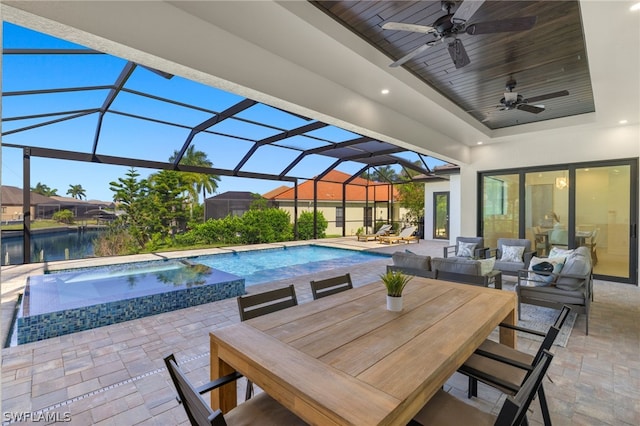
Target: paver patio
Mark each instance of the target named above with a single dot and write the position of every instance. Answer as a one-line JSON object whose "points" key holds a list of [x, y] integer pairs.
{"points": [[115, 375]]}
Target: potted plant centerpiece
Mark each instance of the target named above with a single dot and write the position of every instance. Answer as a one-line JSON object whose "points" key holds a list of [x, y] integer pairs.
{"points": [[395, 281]]}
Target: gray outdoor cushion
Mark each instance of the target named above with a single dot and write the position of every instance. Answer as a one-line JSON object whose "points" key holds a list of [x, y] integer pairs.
{"points": [[508, 266], [559, 296], [457, 265], [410, 260], [576, 264]]}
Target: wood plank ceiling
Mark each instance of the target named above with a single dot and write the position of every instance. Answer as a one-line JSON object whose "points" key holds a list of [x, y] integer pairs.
{"points": [[548, 58]]}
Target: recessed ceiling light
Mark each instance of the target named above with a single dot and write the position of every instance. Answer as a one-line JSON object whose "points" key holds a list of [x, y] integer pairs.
{"points": [[480, 142], [622, 122], [385, 91], [635, 7]]}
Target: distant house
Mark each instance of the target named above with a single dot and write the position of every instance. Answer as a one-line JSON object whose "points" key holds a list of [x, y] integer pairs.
{"points": [[44, 207], [12, 203], [234, 203], [367, 202]]}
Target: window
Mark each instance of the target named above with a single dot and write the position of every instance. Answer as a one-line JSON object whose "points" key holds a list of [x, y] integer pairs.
{"points": [[339, 217], [368, 216]]}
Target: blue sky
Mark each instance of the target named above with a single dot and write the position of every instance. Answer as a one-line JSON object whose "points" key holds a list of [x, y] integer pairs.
{"points": [[124, 136]]}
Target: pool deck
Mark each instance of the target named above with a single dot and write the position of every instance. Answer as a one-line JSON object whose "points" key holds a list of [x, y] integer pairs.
{"points": [[114, 375]]}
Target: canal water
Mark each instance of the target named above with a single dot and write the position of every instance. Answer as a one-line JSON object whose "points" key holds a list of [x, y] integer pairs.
{"points": [[52, 245]]}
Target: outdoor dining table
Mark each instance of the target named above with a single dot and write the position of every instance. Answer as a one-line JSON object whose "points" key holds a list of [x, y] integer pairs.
{"points": [[346, 360]]}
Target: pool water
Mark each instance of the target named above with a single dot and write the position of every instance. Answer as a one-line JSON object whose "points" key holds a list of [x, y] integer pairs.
{"points": [[261, 266]]}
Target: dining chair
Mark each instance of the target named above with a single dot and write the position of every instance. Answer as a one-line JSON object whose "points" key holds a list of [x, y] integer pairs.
{"points": [[444, 409], [262, 409], [329, 286], [506, 368], [255, 305]]}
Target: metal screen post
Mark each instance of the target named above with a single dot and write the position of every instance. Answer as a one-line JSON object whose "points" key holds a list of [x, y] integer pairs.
{"points": [[26, 205]]}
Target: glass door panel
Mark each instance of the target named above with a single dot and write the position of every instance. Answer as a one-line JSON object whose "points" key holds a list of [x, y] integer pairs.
{"points": [[603, 209], [441, 215], [547, 210], [500, 208]]}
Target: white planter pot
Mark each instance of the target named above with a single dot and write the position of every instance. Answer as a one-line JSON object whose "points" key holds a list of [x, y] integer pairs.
{"points": [[394, 303]]}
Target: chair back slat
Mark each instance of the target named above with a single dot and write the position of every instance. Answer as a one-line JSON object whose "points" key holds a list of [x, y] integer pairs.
{"points": [[329, 286], [552, 334], [255, 305], [199, 413], [515, 408]]}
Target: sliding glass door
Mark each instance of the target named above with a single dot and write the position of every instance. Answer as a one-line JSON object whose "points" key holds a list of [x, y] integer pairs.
{"points": [[604, 217], [587, 204]]}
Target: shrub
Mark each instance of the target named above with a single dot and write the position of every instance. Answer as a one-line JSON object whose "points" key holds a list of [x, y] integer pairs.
{"points": [[116, 241], [63, 216], [305, 225]]}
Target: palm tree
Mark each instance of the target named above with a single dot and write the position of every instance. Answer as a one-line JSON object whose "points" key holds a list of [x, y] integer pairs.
{"points": [[43, 189], [207, 183], [200, 181], [381, 174], [76, 191]]}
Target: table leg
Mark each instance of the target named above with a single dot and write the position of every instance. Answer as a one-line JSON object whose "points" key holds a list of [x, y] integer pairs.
{"points": [[224, 397], [507, 335]]}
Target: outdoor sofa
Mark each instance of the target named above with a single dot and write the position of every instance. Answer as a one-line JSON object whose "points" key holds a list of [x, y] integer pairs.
{"points": [[468, 271], [570, 284]]}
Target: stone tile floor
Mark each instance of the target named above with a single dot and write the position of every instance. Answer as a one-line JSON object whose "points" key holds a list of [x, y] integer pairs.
{"points": [[114, 375]]}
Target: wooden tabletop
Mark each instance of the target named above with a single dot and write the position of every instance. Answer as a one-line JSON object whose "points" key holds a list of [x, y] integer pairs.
{"points": [[346, 360]]}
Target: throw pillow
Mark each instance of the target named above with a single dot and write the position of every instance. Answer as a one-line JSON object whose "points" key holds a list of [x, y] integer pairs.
{"points": [[486, 265], [512, 253], [466, 249], [541, 264], [558, 252]]}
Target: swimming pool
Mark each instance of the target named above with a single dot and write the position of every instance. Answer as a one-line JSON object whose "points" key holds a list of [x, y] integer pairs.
{"points": [[72, 300], [261, 266]]}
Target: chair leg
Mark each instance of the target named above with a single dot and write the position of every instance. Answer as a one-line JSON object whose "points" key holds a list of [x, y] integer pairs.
{"points": [[472, 389], [249, 392], [544, 408]]}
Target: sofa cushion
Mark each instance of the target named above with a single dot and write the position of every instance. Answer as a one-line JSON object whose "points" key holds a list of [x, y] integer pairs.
{"points": [[411, 260], [457, 265], [466, 249], [551, 265], [576, 264], [486, 265], [512, 253], [509, 266]]}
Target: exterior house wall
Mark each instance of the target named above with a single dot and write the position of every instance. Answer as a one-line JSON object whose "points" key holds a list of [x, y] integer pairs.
{"points": [[354, 215], [14, 212]]}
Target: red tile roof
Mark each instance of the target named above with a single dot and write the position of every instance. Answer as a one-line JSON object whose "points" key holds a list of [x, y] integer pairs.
{"points": [[331, 189]]}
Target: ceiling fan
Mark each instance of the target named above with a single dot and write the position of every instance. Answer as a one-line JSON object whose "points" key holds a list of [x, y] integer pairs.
{"points": [[513, 100], [447, 28]]}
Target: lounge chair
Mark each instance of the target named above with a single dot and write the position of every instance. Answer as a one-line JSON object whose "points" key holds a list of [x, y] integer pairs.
{"points": [[406, 235], [384, 230]]}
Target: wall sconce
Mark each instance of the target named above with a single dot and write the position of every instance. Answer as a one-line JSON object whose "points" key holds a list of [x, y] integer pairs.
{"points": [[561, 182]]}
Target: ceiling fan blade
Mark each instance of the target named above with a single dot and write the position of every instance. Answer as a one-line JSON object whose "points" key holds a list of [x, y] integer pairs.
{"points": [[408, 56], [458, 54], [399, 26], [530, 108], [502, 26], [466, 10], [547, 96]]}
